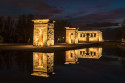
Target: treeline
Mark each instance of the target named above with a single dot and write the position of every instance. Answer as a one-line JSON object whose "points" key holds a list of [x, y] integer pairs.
{"points": [[60, 31], [123, 31], [20, 29]]}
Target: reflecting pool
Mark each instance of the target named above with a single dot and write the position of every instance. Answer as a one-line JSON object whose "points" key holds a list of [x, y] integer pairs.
{"points": [[87, 65]]}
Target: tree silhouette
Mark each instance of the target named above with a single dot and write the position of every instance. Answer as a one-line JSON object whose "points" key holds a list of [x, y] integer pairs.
{"points": [[25, 28], [59, 31], [123, 30]]}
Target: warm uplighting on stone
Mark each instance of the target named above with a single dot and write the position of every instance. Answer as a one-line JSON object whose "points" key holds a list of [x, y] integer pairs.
{"points": [[71, 35], [90, 36], [74, 36], [43, 32], [43, 64]]}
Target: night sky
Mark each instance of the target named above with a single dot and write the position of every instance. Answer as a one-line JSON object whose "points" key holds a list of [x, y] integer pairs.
{"points": [[75, 11]]}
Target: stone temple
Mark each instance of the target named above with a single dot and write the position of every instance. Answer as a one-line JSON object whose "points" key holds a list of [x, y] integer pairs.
{"points": [[90, 36], [73, 36], [43, 34]]}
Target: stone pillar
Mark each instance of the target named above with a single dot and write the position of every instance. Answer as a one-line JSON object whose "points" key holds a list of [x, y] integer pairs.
{"points": [[43, 34], [100, 36], [71, 35]]}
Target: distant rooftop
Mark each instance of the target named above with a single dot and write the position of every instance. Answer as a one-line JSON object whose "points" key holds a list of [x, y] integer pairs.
{"points": [[71, 28], [43, 21]]}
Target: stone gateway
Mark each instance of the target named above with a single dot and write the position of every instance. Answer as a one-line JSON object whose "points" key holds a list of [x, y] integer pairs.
{"points": [[43, 34]]}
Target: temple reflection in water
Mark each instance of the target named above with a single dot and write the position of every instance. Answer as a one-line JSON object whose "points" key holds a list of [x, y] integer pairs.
{"points": [[43, 64], [72, 56], [95, 53]]}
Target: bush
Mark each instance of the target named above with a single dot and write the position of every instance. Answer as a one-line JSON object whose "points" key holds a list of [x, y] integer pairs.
{"points": [[1, 39]]}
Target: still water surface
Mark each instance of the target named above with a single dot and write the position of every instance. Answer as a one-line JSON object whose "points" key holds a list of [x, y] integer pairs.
{"points": [[87, 65]]}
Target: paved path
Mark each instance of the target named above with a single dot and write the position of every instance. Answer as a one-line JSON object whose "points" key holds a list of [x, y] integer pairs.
{"points": [[57, 47]]}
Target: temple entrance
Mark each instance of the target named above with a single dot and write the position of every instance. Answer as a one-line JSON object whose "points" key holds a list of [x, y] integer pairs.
{"points": [[40, 38], [87, 51], [43, 32], [87, 37], [71, 38]]}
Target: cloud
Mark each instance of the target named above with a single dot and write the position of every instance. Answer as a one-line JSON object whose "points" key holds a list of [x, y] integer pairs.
{"points": [[42, 16], [55, 11], [41, 6], [24, 4], [102, 16], [48, 13]]}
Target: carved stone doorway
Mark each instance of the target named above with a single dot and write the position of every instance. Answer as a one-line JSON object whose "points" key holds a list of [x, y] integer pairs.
{"points": [[87, 37]]}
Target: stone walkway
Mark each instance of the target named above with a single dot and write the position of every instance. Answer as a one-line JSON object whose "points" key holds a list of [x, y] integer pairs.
{"points": [[57, 47]]}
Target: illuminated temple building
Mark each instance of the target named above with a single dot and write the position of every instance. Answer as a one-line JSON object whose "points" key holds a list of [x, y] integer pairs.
{"points": [[43, 32], [71, 56], [90, 36], [73, 36], [43, 64]]}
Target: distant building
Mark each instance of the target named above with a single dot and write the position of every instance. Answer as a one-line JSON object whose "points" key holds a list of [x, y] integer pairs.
{"points": [[90, 36], [71, 35], [43, 32], [74, 36]]}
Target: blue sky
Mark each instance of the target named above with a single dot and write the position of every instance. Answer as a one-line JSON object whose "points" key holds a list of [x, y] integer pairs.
{"points": [[75, 11]]}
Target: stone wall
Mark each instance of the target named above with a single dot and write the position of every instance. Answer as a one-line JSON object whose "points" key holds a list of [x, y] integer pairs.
{"points": [[43, 33], [90, 36], [71, 35]]}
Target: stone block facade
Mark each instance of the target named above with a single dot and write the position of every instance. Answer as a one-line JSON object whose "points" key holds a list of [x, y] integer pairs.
{"points": [[71, 35], [43, 34], [90, 36]]}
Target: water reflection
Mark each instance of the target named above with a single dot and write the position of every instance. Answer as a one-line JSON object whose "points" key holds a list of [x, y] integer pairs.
{"points": [[72, 56], [43, 64], [95, 53]]}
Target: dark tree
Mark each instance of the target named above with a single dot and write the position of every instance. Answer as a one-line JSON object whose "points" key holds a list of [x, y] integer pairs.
{"points": [[8, 30], [25, 29], [60, 31], [123, 30], [1, 28], [1, 23]]}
